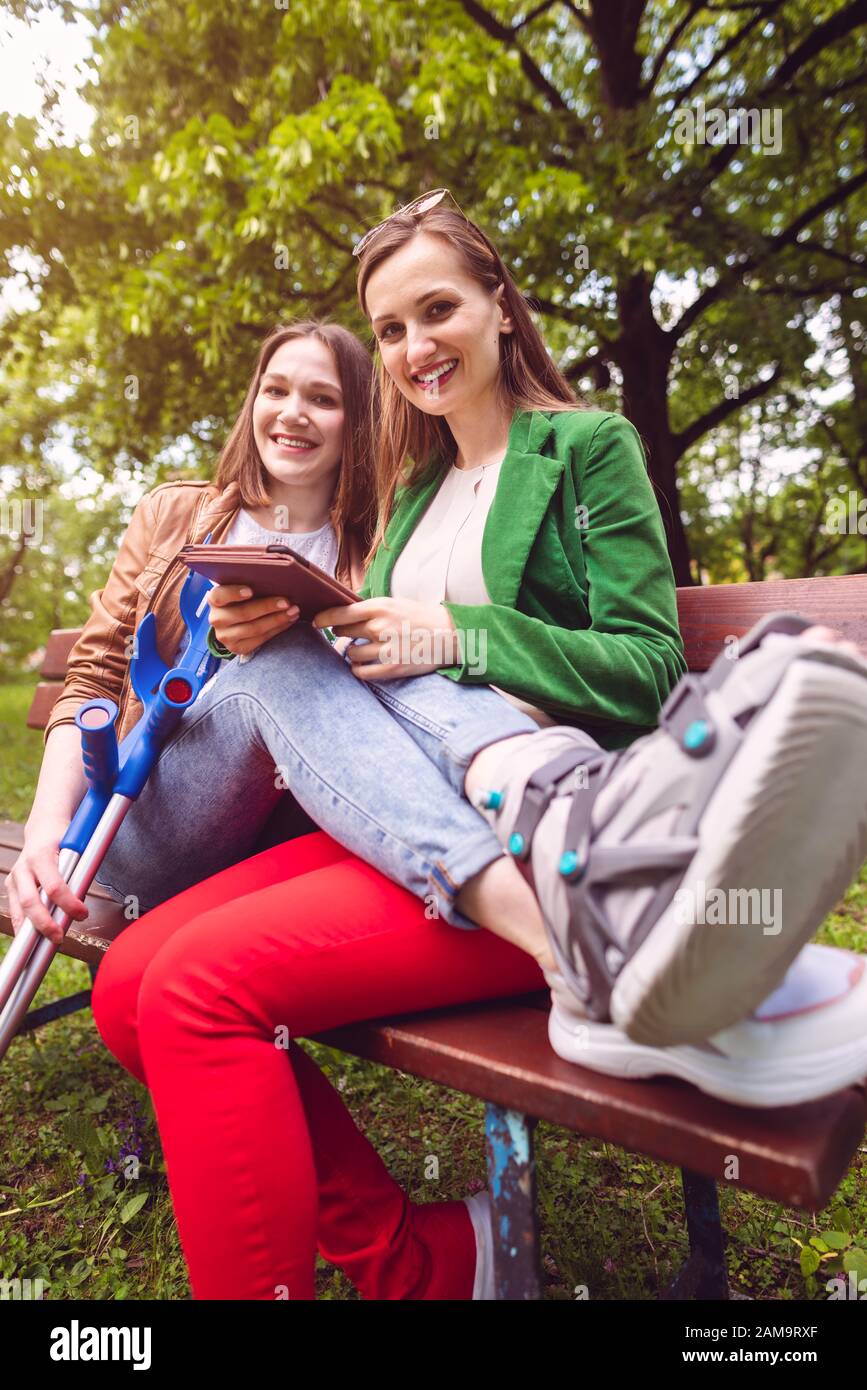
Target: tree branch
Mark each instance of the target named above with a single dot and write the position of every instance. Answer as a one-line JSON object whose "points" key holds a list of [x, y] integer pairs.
{"points": [[858, 81], [767, 7], [648, 86], [819, 38], [595, 365], [732, 43], [721, 411], [807, 291], [534, 14], [772, 244], [311, 221], [558, 311], [837, 26], [856, 262], [830, 200], [578, 14], [506, 36]]}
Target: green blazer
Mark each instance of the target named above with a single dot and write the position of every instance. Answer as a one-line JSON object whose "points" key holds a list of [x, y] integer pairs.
{"points": [[583, 615]]}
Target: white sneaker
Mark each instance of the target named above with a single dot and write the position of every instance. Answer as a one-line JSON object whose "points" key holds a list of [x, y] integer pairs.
{"points": [[806, 1040], [482, 1217]]}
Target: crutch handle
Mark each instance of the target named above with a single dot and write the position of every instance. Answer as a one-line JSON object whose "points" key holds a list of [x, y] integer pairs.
{"points": [[177, 691], [96, 722]]}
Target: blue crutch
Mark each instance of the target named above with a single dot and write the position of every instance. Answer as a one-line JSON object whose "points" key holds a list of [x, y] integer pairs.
{"points": [[116, 777]]}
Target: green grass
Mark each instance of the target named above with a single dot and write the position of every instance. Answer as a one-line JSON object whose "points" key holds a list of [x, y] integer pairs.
{"points": [[611, 1221], [22, 751]]}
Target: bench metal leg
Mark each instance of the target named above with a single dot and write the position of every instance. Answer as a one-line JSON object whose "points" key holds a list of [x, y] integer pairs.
{"points": [[35, 1018], [46, 1013], [512, 1184], [704, 1274]]}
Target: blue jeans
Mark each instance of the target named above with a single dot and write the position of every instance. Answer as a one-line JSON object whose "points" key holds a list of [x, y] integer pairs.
{"points": [[379, 766]]}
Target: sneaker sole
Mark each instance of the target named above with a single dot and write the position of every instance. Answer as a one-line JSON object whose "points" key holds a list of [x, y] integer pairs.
{"points": [[800, 770], [756, 1082]]}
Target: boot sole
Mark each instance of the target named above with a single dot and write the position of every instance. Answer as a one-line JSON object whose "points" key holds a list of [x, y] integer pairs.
{"points": [[797, 781]]}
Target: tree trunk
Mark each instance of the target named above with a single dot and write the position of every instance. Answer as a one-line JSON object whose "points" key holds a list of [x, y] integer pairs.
{"points": [[643, 353], [9, 573]]}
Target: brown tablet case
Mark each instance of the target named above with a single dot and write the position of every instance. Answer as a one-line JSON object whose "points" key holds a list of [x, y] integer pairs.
{"points": [[270, 569]]}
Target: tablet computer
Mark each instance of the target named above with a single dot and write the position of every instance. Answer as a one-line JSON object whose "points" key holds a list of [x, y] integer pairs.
{"points": [[268, 570]]}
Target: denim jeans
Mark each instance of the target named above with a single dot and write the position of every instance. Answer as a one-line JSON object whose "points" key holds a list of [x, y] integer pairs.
{"points": [[379, 766]]}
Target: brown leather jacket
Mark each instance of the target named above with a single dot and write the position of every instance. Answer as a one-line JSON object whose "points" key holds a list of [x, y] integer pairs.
{"points": [[147, 577]]}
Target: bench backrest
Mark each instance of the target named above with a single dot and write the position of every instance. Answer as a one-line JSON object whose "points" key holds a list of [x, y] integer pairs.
{"points": [[707, 616]]}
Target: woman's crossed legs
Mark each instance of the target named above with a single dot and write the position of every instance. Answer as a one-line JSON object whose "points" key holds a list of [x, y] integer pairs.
{"points": [[202, 1000], [382, 770]]}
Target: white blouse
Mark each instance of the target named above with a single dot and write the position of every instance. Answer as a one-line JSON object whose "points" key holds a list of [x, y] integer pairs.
{"points": [[443, 557], [442, 560]]}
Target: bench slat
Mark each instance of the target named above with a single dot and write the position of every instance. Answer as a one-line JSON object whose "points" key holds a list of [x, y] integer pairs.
{"points": [[57, 649], [707, 615], [500, 1052], [44, 697]]}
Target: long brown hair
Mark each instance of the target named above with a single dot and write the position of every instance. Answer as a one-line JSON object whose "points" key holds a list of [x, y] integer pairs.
{"points": [[353, 507], [409, 441]]}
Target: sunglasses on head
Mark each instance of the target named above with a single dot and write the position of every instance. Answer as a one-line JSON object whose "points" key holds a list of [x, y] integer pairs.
{"points": [[418, 205]]}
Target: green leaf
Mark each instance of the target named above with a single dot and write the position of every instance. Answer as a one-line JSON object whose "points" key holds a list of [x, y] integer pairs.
{"points": [[78, 1133], [841, 1219], [61, 1103], [835, 1240], [809, 1261], [856, 1260], [133, 1206], [79, 1272]]}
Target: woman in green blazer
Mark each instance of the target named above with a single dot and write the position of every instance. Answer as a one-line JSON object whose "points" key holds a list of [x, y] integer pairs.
{"points": [[608, 667]]}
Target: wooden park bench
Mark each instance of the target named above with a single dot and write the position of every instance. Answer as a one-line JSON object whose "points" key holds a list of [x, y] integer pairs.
{"points": [[500, 1053]]}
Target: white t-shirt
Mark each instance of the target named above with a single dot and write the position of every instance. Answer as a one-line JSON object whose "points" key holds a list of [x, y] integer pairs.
{"points": [[320, 547]]}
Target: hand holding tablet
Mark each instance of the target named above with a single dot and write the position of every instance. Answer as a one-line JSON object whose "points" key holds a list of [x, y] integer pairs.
{"points": [[261, 590]]}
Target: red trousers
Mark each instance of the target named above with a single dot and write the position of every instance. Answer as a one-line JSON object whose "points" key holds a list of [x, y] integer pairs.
{"points": [[201, 999]]}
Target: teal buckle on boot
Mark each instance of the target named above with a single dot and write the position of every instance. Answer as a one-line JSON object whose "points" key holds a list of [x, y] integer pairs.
{"points": [[696, 735], [572, 866]]}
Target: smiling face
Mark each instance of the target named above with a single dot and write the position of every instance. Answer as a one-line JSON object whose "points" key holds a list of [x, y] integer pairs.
{"points": [[437, 328], [298, 417]]}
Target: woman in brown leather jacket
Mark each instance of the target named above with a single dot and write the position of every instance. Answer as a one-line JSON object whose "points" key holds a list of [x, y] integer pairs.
{"points": [[312, 376]]}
